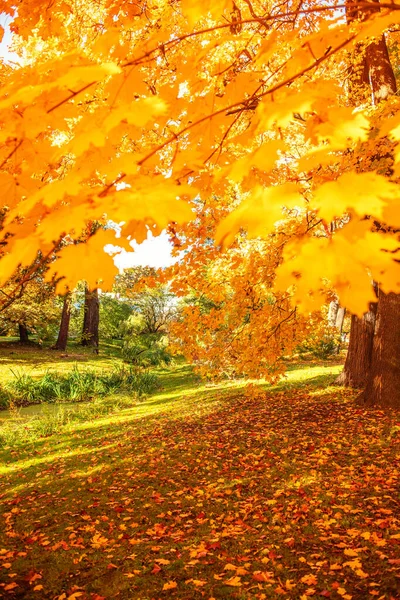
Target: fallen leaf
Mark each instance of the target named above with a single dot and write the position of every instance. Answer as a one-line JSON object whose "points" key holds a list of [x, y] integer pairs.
{"points": [[233, 581], [309, 579], [170, 585]]}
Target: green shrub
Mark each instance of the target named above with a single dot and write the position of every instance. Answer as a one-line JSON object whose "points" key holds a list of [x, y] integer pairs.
{"points": [[321, 348], [146, 350]]}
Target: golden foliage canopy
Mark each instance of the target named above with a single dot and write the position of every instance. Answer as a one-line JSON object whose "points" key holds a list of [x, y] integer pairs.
{"points": [[140, 113]]}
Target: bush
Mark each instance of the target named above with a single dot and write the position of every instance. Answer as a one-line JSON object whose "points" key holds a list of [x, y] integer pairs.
{"points": [[321, 348], [75, 386], [146, 350]]}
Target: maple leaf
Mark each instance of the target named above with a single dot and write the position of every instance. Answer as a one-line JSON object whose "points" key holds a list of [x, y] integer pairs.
{"points": [[74, 263], [309, 580], [170, 585], [233, 581], [258, 213]]}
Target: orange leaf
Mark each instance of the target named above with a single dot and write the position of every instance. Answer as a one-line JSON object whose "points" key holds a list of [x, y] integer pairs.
{"points": [[309, 579], [170, 585]]}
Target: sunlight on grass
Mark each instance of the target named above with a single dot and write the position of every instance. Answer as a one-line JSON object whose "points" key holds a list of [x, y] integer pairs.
{"points": [[203, 485]]}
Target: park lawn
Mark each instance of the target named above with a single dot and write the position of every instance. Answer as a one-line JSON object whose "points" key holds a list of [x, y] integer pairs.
{"points": [[35, 361], [209, 491]]}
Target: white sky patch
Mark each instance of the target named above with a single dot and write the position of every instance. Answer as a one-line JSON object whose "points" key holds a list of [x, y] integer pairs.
{"points": [[5, 54], [153, 252]]}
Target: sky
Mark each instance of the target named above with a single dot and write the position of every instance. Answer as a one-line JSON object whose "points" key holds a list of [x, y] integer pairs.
{"points": [[153, 252]]}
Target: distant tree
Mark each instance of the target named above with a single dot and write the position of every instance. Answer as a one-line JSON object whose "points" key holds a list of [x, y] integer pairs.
{"points": [[114, 311], [62, 339], [91, 318], [157, 308], [32, 310], [134, 279], [147, 329]]}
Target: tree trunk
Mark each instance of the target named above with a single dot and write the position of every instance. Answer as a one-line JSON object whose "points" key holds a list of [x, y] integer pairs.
{"points": [[370, 69], [90, 331], [362, 363], [359, 354], [383, 385], [332, 313], [23, 334], [62, 340], [341, 313], [382, 79]]}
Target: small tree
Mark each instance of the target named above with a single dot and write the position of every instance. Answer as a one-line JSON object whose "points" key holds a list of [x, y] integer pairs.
{"points": [[146, 331]]}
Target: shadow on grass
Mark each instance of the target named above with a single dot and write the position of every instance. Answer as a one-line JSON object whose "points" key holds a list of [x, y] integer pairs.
{"points": [[183, 398]]}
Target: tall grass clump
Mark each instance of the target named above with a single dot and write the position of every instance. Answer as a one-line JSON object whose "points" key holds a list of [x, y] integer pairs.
{"points": [[75, 386]]}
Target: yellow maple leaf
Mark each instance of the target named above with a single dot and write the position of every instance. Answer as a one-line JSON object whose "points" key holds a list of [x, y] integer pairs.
{"points": [[350, 552], [194, 11], [86, 261], [170, 585], [309, 579], [229, 567], [199, 582], [370, 194], [263, 158], [135, 113], [258, 213], [162, 561]]}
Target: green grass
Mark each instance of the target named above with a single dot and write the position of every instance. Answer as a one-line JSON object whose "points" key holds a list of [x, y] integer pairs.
{"points": [[208, 491]]}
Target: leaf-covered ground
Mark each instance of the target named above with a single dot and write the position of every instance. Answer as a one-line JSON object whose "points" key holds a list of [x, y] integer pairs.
{"points": [[209, 492]]}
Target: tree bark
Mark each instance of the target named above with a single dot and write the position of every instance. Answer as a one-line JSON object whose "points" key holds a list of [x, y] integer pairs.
{"points": [[341, 313], [382, 79], [91, 318], [62, 340], [383, 384], [23, 334], [359, 354], [332, 313], [370, 70]]}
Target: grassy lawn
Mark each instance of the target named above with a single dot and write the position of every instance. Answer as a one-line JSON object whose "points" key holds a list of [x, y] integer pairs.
{"points": [[206, 491]]}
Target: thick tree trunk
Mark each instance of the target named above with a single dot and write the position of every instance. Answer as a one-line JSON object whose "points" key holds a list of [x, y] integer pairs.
{"points": [[90, 331], [359, 354], [62, 340], [366, 355], [383, 384], [370, 69], [23, 334], [383, 81]]}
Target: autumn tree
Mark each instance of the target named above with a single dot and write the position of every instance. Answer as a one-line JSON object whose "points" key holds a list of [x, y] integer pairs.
{"points": [[32, 310], [110, 117], [374, 72]]}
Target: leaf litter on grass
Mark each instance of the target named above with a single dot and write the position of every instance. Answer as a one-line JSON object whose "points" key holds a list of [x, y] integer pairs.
{"points": [[293, 494]]}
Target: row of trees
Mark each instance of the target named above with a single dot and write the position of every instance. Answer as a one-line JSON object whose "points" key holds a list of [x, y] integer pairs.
{"points": [[87, 315]]}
